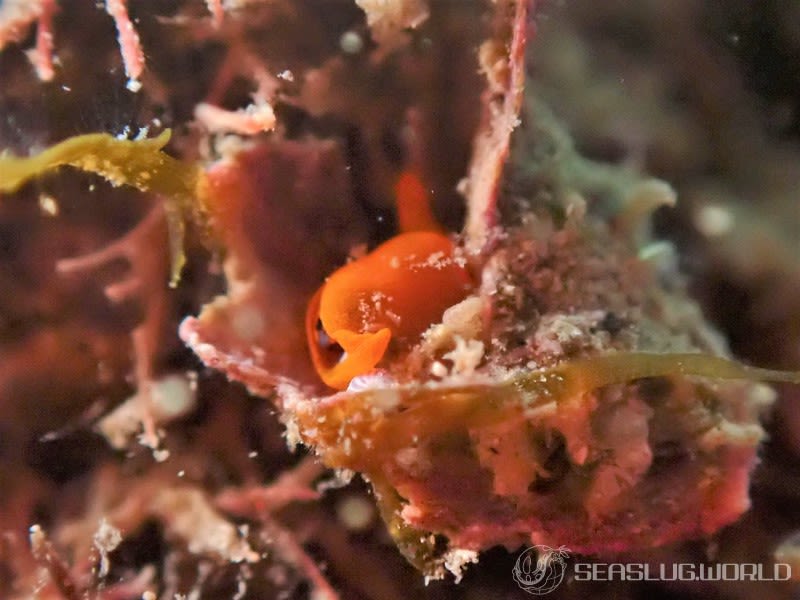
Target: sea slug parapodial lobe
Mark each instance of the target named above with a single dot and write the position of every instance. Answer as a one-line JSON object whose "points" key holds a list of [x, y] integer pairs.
{"points": [[395, 291]]}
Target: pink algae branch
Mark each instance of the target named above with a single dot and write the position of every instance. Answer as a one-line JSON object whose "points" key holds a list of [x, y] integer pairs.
{"points": [[255, 118], [260, 502], [258, 116], [217, 12], [17, 16], [42, 55], [129, 44], [140, 248]]}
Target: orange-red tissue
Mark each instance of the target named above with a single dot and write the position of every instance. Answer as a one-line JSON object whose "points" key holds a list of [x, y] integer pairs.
{"points": [[395, 292]]}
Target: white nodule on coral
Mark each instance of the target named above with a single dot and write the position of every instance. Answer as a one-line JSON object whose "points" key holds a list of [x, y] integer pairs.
{"points": [[438, 369], [356, 513], [173, 396], [463, 320], [466, 356], [351, 42], [762, 395], [713, 220], [48, 205]]}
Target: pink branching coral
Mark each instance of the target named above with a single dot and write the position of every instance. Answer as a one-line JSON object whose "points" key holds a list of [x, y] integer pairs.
{"points": [[143, 250]]}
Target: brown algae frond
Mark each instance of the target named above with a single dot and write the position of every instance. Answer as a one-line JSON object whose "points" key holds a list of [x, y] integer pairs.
{"points": [[384, 432], [361, 437], [139, 163], [588, 374]]}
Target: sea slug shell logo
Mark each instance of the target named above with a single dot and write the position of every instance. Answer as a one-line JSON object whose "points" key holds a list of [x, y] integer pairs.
{"points": [[540, 569]]}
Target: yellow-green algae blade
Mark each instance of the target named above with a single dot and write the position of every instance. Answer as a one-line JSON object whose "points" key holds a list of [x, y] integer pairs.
{"points": [[139, 163]]}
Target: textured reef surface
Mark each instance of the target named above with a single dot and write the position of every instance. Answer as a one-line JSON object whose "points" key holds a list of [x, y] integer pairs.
{"points": [[333, 299]]}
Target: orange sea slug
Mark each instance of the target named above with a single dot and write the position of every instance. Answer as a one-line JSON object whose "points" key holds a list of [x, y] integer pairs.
{"points": [[394, 292]]}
